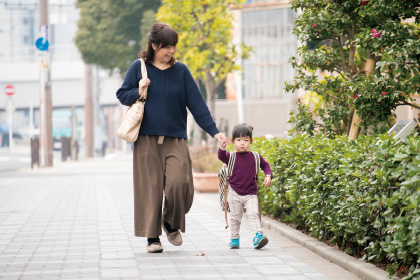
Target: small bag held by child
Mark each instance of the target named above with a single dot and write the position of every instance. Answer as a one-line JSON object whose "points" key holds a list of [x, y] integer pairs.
{"points": [[224, 176]]}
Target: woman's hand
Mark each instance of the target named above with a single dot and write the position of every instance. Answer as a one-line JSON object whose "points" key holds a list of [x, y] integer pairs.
{"points": [[222, 139], [143, 84]]}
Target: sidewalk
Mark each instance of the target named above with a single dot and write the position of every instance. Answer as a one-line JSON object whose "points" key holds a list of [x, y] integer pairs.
{"points": [[75, 221]]}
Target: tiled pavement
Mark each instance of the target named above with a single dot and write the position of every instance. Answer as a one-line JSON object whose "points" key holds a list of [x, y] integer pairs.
{"points": [[75, 221]]}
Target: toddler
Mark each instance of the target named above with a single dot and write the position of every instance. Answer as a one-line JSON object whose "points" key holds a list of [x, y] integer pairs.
{"points": [[242, 192]]}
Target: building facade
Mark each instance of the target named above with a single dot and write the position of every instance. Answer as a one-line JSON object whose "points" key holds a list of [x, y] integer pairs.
{"points": [[257, 96], [20, 67]]}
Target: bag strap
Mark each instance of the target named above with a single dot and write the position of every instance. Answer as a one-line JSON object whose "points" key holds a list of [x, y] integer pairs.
{"points": [[257, 164], [257, 169], [231, 162], [143, 69]]}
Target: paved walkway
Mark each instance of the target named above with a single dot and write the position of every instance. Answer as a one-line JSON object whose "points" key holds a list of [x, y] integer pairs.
{"points": [[75, 221]]}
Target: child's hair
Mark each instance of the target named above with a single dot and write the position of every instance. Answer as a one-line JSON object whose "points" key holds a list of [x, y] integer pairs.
{"points": [[242, 130]]}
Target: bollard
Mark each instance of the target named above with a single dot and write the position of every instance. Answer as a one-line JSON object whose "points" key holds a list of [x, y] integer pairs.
{"points": [[65, 148], [104, 145], [74, 149], [34, 151]]}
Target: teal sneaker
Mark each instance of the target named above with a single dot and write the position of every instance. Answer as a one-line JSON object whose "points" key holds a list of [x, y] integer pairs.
{"points": [[260, 240], [234, 243]]}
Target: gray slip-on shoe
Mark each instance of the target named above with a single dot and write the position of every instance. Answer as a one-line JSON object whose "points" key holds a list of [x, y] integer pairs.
{"points": [[154, 248], [174, 238]]}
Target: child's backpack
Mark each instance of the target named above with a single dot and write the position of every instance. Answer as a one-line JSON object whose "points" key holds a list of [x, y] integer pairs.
{"points": [[224, 176]]}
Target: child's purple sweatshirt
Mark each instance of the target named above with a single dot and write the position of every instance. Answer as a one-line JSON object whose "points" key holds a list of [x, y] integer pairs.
{"points": [[242, 179]]}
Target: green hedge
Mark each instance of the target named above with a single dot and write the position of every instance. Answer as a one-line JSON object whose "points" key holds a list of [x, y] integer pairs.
{"points": [[362, 195]]}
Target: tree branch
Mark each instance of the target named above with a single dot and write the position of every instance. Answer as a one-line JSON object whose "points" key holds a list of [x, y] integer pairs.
{"points": [[352, 67], [343, 56], [339, 99], [198, 22], [323, 125], [338, 70], [340, 73], [408, 103]]}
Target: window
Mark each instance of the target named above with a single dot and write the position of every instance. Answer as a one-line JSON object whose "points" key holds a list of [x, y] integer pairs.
{"points": [[269, 33], [26, 40]]}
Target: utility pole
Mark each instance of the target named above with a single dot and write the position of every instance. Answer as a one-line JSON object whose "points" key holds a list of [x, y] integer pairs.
{"points": [[46, 141], [89, 110]]}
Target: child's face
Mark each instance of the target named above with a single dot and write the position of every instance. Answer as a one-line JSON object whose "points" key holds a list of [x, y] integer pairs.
{"points": [[242, 143]]}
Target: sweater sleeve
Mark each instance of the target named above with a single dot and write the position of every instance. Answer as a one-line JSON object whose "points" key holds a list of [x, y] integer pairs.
{"points": [[265, 167], [198, 106], [223, 156], [128, 93]]}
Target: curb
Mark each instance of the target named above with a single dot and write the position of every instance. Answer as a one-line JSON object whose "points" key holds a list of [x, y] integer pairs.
{"points": [[359, 268]]}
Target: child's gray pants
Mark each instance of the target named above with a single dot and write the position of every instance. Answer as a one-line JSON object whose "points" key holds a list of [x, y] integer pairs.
{"points": [[236, 204]]}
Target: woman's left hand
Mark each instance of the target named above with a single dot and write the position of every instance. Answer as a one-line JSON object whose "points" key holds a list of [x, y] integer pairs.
{"points": [[221, 138]]}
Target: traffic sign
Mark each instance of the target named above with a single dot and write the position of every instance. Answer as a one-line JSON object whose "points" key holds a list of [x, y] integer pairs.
{"points": [[42, 44], [9, 90]]}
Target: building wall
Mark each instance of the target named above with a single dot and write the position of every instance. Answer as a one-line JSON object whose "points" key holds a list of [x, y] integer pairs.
{"points": [[266, 116]]}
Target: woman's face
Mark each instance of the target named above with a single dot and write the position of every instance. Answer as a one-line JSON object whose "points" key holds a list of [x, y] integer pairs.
{"points": [[164, 55]]}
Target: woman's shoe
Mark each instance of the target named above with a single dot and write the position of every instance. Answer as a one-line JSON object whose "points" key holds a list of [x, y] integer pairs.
{"points": [[234, 243], [154, 248], [260, 240], [174, 238]]}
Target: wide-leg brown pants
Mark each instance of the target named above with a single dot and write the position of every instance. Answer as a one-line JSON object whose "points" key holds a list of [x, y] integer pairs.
{"points": [[161, 169]]}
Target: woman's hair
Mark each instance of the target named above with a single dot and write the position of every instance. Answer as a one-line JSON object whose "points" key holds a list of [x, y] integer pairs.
{"points": [[162, 35], [242, 130]]}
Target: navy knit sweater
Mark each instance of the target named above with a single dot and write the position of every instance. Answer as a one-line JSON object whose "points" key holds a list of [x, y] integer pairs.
{"points": [[170, 93]]}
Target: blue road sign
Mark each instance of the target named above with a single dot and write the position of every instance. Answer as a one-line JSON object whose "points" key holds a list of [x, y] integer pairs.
{"points": [[42, 44]]}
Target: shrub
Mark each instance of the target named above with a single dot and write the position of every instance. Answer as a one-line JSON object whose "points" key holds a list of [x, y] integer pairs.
{"points": [[361, 195]]}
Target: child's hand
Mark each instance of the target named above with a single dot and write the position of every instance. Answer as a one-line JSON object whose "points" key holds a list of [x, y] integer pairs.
{"points": [[223, 144], [267, 181], [222, 140]]}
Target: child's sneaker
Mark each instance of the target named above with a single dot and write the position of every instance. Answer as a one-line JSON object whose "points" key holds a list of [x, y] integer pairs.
{"points": [[234, 244], [259, 240]]}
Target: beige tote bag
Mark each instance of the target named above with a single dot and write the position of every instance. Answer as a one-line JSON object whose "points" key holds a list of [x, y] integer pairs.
{"points": [[130, 125]]}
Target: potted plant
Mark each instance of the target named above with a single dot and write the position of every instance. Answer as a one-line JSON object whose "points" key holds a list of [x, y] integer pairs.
{"points": [[205, 165]]}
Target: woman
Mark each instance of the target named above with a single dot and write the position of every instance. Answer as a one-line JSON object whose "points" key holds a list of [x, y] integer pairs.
{"points": [[161, 159]]}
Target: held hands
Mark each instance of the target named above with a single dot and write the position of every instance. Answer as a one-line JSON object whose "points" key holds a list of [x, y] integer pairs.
{"points": [[222, 140], [267, 181], [143, 84]]}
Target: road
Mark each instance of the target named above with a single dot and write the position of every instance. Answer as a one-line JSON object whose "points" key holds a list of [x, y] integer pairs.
{"points": [[18, 158]]}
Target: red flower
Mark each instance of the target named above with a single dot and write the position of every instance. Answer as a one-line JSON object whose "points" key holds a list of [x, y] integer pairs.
{"points": [[355, 96], [384, 93], [376, 34], [313, 25], [363, 3]]}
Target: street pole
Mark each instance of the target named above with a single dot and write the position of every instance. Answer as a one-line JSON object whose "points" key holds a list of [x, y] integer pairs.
{"points": [[89, 111], [74, 145], [46, 143], [239, 97], [31, 119], [237, 40], [97, 130], [10, 124]]}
